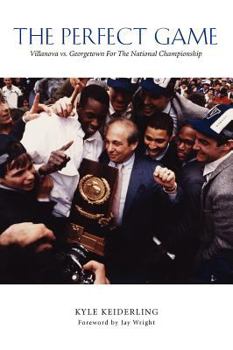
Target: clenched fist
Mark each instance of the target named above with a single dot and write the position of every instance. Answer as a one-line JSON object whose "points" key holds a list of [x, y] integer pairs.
{"points": [[166, 178]]}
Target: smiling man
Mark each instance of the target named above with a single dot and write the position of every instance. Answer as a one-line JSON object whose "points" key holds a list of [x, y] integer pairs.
{"points": [[214, 146], [143, 198], [121, 91], [158, 144], [158, 94], [48, 133]]}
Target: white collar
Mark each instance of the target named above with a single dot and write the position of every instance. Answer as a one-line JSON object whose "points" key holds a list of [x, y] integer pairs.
{"points": [[168, 108], [210, 167], [111, 109], [161, 155], [127, 164]]}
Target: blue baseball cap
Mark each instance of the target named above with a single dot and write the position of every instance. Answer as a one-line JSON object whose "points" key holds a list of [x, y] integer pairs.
{"points": [[123, 83], [217, 124], [156, 86]]}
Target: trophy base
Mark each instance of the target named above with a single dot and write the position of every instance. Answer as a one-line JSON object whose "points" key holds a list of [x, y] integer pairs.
{"points": [[92, 243]]}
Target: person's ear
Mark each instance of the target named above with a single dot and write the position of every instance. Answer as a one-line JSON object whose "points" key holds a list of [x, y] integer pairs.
{"points": [[228, 146], [134, 146]]}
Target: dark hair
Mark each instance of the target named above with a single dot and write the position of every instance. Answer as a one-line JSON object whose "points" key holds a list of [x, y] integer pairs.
{"points": [[133, 136], [20, 162], [198, 98], [160, 120], [96, 92], [183, 123], [16, 156]]}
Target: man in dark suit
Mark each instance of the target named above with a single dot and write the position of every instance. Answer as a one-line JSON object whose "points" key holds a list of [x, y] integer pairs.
{"points": [[140, 206], [214, 146]]}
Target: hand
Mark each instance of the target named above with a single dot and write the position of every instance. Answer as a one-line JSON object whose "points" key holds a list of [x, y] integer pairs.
{"points": [[36, 108], [25, 234], [99, 270], [81, 82], [166, 178], [45, 187], [64, 107], [57, 160]]}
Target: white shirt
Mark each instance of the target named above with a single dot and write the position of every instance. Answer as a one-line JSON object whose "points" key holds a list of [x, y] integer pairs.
{"points": [[93, 146], [210, 167], [126, 173], [11, 95], [46, 134]]}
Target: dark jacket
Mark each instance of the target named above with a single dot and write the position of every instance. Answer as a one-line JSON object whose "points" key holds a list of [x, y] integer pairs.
{"points": [[130, 248]]}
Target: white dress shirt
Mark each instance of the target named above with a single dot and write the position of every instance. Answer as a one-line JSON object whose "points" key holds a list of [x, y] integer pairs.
{"points": [[93, 146]]}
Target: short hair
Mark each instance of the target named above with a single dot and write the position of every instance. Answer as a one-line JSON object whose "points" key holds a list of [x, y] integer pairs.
{"points": [[161, 120], [183, 123], [16, 156], [20, 162], [133, 136], [96, 92]]}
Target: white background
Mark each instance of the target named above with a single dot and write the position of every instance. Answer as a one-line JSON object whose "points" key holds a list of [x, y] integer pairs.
{"points": [[42, 317]]}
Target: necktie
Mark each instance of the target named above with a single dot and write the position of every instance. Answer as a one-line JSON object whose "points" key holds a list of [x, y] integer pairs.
{"points": [[117, 196]]}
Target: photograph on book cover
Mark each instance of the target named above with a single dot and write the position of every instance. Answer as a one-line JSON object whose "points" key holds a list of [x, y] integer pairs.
{"points": [[121, 180]]}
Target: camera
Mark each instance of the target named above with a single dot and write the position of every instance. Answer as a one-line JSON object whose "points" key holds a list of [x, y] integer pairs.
{"points": [[71, 261]]}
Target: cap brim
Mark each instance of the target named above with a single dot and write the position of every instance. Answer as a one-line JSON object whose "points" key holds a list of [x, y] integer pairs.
{"points": [[202, 126], [117, 84]]}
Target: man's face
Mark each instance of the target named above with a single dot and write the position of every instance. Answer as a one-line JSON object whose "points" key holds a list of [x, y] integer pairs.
{"points": [[152, 103], [8, 82], [92, 116], [116, 143], [208, 149], [120, 99], [185, 141], [156, 141], [21, 178], [5, 116]]}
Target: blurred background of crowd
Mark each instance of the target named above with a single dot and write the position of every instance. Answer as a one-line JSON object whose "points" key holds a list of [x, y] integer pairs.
{"points": [[20, 92]]}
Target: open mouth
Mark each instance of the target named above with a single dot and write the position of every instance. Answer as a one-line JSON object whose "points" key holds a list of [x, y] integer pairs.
{"points": [[148, 110]]}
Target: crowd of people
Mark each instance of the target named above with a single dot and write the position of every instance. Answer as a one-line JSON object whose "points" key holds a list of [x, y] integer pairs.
{"points": [[172, 142]]}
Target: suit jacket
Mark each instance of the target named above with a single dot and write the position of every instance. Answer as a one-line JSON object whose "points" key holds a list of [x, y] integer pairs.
{"points": [[130, 248], [217, 204]]}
